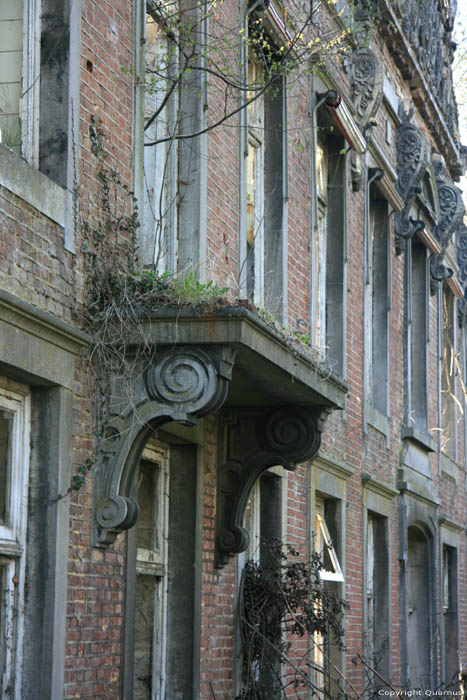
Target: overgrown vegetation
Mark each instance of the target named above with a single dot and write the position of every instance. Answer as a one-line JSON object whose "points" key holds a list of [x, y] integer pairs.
{"points": [[282, 601]]}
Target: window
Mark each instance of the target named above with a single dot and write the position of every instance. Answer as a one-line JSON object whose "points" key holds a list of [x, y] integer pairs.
{"points": [[419, 608], [255, 191], [264, 519], [448, 374], [450, 637], [151, 577], [329, 245], [326, 654], [19, 70], [159, 661], [265, 163], [377, 594], [14, 468], [378, 302], [159, 210], [418, 336], [264, 514]]}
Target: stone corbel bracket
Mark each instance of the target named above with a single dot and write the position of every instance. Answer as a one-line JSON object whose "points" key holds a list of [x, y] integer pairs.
{"points": [[254, 442], [452, 210], [179, 384], [412, 162]]}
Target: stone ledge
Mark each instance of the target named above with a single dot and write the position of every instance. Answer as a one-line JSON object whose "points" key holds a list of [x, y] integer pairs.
{"points": [[35, 347], [422, 439], [32, 186], [269, 369]]}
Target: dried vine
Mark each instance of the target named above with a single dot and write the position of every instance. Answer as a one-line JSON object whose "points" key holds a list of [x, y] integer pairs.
{"points": [[281, 601]]}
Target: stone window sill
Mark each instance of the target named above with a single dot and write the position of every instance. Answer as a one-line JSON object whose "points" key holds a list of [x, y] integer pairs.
{"points": [[32, 186]]}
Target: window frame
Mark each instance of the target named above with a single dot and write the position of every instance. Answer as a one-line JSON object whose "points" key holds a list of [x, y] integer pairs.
{"points": [[263, 137], [28, 105], [417, 407], [377, 317], [154, 563], [328, 260], [156, 166], [13, 538], [448, 395]]}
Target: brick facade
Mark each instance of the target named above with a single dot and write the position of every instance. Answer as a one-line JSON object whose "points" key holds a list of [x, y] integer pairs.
{"points": [[56, 236]]}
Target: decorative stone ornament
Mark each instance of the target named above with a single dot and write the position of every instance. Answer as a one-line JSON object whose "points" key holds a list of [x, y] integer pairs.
{"points": [[254, 442], [439, 271], [412, 161], [451, 207], [366, 75], [180, 384]]}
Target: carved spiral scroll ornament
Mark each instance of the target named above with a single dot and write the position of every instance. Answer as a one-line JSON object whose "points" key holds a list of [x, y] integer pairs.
{"points": [[117, 511], [367, 84], [190, 379], [451, 207], [181, 384], [412, 162], [181, 377], [291, 433], [283, 437]]}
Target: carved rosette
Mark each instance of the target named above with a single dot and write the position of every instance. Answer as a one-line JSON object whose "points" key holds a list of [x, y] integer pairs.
{"points": [[284, 437], [181, 384], [367, 84]]}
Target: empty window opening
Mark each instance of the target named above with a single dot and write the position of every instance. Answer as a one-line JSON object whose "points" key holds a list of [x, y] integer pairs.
{"points": [[419, 609], [379, 301], [450, 619], [162, 550], [419, 337], [265, 181], [377, 592], [329, 245], [328, 541], [160, 160], [14, 473], [448, 375]]}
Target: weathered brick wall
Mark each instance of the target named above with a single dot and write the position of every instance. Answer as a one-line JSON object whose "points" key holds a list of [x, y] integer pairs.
{"points": [[35, 266]]}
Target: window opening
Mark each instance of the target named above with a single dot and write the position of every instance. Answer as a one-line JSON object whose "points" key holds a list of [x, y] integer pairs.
{"points": [[327, 655], [265, 178], [328, 255], [11, 69], [448, 373], [378, 312], [377, 591], [14, 472], [419, 337], [159, 205], [450, 621]]}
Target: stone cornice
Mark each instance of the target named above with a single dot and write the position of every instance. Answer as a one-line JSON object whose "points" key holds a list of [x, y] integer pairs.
{"points": [[411, 70], [42, 324]]}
